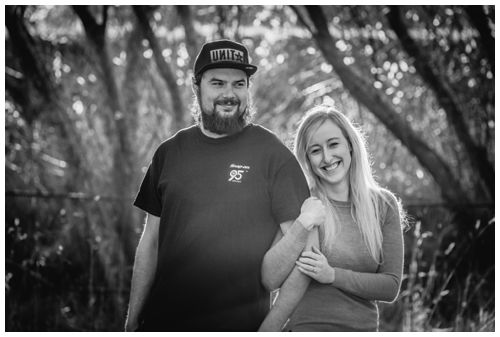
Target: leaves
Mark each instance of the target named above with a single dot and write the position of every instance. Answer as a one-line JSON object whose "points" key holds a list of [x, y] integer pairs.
{"points": [[97, 89]]}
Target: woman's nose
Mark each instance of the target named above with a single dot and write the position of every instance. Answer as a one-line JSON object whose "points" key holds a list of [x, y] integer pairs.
{"points": [[328, 156]]}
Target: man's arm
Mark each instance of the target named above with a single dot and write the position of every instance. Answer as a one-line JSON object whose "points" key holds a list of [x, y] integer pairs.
{"points": [[290, 294], [144, 271], [280, 259]]}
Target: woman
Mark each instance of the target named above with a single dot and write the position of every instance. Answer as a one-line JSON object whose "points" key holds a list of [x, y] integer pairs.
{"points": [[357, 253]]}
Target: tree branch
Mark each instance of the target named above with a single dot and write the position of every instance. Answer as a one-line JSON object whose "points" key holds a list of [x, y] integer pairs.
{"points": [[28, 54], [165, 71], [95, 32], [364, 92], [104, 16], [191, 37], [303, 19], [480, 21], [446, 98]]}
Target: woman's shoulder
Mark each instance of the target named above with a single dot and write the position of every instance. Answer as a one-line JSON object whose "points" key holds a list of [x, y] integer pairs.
{"points": [[389, 205], [387, 198]]}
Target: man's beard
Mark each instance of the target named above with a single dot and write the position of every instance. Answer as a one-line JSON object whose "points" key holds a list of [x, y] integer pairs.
{"points": [[220, 125]]}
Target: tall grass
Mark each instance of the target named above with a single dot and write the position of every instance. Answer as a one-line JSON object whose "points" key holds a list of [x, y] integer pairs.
{"points": [[443, 290], [62, 274]]}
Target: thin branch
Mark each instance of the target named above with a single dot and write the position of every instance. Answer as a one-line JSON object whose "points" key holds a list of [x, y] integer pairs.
{"points": [[104, 15], [166, 72], [94, 31], [66, 195], [446, 98], [479, 19], [303, 19], [191, 37], [363, 91]]}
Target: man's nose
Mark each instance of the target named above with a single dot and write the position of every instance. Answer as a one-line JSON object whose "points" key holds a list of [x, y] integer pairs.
{"points": [[229, 91]]}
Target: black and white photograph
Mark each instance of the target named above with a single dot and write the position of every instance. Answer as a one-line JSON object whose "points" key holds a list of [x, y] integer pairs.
{"points": [[249, 168]]}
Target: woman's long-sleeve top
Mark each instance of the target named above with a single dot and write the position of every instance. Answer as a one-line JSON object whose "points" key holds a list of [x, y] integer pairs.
{"points": [[349, 303]]}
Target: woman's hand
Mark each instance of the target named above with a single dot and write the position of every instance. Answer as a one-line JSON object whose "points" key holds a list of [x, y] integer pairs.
{"points": [[312, 213], [315, 265]]}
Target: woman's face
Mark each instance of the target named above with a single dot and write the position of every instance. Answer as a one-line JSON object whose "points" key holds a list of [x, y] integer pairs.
{"points": [[329, 154]]}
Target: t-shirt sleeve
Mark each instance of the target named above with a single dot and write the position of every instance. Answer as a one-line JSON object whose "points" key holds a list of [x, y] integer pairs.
{"points": [[288, 191], [148, 198]]}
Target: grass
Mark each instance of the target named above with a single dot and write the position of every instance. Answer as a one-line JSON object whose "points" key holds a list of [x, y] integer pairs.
{"points": [[437, 295], [448, 283]]}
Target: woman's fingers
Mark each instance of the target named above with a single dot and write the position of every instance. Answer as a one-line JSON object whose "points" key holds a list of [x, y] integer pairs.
{"points": [[308, 260], [311, 255], [306, 266], [307, 271]]}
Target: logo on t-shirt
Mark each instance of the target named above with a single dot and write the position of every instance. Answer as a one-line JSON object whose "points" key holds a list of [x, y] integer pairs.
{"points": [[236, 172]]}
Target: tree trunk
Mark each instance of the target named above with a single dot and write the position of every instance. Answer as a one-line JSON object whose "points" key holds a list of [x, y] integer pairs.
{"points": [[37, 92], [34, 70], [191, 37], [118, 132], [447, 99], [132, 83], [364, 92], [167, 74]]}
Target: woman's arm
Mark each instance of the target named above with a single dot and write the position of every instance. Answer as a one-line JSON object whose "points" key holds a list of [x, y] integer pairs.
{"points": [[280, 258], [290, 293], [383, 285]]}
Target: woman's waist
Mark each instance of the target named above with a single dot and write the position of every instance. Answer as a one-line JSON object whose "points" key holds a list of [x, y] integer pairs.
{"points": [[326, 304]]}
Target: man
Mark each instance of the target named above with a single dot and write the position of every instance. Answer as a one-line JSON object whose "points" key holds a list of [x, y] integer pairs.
{"points": [[215, 194]]}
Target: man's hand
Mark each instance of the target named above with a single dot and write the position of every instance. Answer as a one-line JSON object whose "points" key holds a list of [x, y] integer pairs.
{"points": [[312, 213]]}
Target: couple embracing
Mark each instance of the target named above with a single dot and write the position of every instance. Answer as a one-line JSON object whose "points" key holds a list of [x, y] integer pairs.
{"points": [[232, 215]]}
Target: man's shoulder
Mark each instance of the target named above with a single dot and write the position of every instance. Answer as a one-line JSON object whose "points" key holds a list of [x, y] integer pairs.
{"points": [[261, 130], [175, 141], [266, 135], [181, 135]]}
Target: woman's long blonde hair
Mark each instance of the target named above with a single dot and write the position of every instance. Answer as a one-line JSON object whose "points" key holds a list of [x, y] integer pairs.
{"points": [[364, 191]]}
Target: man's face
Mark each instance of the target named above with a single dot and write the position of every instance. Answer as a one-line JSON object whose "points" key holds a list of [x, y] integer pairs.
{"points": [[223, 99]]}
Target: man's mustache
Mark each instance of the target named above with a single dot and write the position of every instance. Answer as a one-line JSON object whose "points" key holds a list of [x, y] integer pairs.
{"points": [[227, 101]]}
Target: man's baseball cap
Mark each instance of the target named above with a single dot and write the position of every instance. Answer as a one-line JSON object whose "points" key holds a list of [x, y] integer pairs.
{"points": [[223, 54]]}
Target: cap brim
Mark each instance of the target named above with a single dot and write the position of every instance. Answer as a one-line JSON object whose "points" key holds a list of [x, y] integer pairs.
{"points": [[249, 69]]}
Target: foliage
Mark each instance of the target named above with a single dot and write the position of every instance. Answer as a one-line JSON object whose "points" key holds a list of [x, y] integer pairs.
{"points": [[91, 91], [434, 296]]}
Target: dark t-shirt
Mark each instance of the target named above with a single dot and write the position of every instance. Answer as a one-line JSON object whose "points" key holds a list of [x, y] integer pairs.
{"points": [[220, 202]]}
